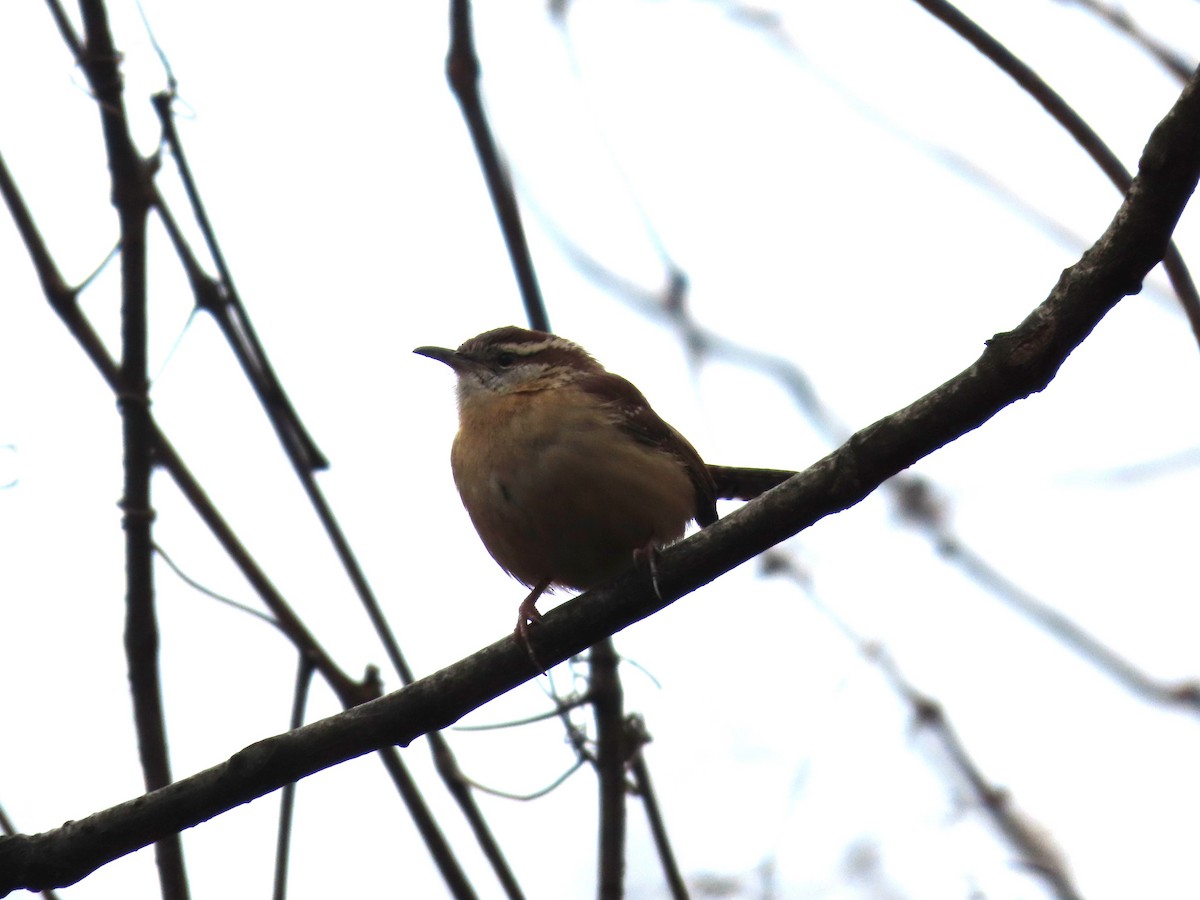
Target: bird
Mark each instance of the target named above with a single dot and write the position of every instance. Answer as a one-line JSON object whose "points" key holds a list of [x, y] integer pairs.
{"points": [[566, 472]]}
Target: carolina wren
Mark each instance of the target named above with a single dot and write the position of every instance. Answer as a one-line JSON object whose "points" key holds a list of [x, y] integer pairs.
{"points": [[565, 470]]}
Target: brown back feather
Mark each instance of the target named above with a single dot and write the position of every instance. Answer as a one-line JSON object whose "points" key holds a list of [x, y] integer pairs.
{"points": [[644, 424]]}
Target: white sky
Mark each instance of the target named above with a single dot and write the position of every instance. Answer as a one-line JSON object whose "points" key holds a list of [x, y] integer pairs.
{"points": [[344, 190]]}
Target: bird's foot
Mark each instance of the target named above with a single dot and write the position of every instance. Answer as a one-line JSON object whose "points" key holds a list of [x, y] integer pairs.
{"points": [[527, 614], [650, 554]]}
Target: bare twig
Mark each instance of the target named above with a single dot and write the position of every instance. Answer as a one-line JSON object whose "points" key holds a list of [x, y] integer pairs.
{"points": [[532, 795], [564, 706], [208, 592], [918, 507], [462, 71], [287, 798], [658, 829], [608, 707], [132, 196], [1185, 695], [1084, 135], [1169, 58], [69, 35], [1035, 851], [221, 300], [669, 304], [53, 285]]}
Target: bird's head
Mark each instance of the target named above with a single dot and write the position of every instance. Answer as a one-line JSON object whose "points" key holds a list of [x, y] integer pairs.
{"points": [[511, 359]]}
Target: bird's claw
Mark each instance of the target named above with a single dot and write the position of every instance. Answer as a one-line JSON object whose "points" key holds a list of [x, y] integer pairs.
{"points": [[650, 554]]}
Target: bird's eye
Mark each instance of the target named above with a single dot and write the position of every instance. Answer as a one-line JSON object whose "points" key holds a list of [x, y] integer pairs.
{"points": [[506, 359]]}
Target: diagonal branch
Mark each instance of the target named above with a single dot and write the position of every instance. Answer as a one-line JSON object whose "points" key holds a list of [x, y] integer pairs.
{"points": [[1123, 23], [1034, 852], [462, 71], [915, 504], [644, 787], [222, 301]]}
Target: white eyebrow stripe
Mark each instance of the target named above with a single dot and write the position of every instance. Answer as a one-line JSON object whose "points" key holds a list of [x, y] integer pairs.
{"points": [[532, 347]]}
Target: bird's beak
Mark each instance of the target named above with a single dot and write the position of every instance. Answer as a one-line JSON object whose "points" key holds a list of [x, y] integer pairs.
{"points": [[441, 354], [460, 363]]}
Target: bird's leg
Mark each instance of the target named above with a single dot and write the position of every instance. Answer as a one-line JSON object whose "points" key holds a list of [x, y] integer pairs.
{"points": [[526, 613], [649, 552]]}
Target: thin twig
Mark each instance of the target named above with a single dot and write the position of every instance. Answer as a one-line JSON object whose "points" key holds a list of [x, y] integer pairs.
{"points": [[668, 304], [462, 71], [287, 797], [1084, 135], [919, 508], [658, 829], [1185, 695], [61, 297], [222, 301], [53, 285], [534, 795], [608, 707], [209, 592], [69, 35], [172, 83], [131, 195], [1035, 851], [1169, 58], [581, 700]]}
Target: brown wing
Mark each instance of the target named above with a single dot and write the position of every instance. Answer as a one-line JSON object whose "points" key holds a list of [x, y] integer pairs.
{"points": [[639, 420]]}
